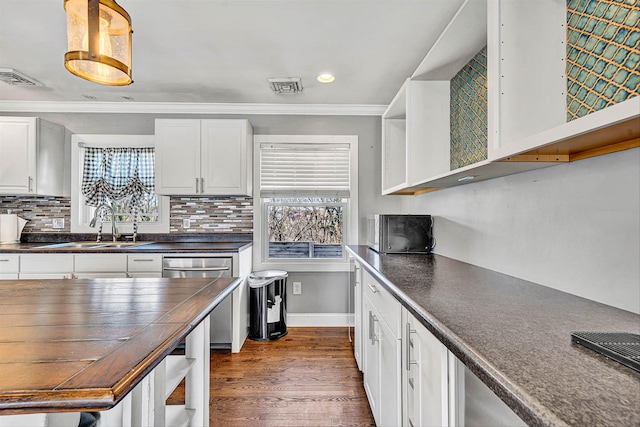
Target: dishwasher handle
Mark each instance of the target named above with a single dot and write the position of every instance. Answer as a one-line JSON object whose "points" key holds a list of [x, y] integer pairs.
{"points": [[196, 268]]}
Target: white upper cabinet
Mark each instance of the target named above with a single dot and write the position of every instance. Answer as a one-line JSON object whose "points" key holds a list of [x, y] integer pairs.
{"points": [[543, 104], [203, 157], [528, 100], [32, 153], [415, 129]]}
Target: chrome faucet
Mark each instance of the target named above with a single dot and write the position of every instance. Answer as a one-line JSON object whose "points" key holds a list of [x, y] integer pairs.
{"points": [[114, 230]]}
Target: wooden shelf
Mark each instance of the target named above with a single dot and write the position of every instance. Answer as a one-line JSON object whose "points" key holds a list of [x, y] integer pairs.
{"points": [[606, 131]]}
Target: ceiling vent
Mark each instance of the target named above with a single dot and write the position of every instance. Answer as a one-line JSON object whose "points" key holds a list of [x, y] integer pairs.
{"points": [[286, 84], [16, 78]]}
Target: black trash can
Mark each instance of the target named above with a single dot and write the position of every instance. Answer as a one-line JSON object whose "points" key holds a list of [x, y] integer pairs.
{"points": [[267, 305]]}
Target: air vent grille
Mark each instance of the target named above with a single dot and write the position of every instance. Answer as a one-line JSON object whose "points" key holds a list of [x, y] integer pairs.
{"points": [[286, 84], [16, 78]]}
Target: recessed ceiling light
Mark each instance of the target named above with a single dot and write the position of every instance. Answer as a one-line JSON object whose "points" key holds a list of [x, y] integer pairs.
{"points": [[326, 78]]}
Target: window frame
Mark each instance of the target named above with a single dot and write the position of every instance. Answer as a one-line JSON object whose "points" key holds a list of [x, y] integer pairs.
{"points": [[79, 218], [260, 228]]}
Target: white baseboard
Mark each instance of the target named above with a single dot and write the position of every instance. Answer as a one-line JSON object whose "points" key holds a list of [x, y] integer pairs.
{"points": [[319, 319]]}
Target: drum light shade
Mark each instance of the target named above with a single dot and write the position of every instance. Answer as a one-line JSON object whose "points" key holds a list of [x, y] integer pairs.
{"points": [[99, 41]]}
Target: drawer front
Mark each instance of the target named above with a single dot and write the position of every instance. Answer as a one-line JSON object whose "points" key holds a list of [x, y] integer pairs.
{"points": [[100, 263], [144, 263], [388, 307], [44, 276], [105, 275], [55, 263], [8, 264]]}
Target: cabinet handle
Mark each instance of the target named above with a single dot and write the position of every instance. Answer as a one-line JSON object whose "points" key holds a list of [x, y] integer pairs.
{"points": [[372, 324], [201, 185], [142, 260], [373, 288], [4, 260], [407, 335], [197, 180], [196, 268], [30, 185]]}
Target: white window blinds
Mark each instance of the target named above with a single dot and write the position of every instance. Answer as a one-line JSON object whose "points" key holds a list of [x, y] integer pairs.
{"points": [[304, 170]]}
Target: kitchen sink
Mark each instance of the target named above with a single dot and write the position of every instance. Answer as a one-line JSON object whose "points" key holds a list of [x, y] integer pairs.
{"points": [[93, 245]]}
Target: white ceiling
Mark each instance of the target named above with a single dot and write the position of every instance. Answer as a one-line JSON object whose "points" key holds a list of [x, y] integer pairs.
{"points": [[223, 51]]}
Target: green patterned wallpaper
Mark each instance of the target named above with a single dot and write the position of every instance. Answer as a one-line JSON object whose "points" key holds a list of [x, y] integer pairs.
{"points": [[603, 54], [468, 106]]}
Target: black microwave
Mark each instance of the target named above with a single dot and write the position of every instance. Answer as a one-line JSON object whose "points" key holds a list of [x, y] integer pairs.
{"points": [[400, 234]]}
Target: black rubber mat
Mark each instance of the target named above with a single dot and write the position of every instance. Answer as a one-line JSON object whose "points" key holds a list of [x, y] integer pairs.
{"points": [[622, 347]]}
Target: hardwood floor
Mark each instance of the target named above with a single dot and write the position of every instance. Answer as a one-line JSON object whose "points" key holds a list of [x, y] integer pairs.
{"points": [[307, 378]]}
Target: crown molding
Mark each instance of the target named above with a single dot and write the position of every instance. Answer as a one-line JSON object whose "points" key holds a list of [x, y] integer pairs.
{"points": [[190, 108]]}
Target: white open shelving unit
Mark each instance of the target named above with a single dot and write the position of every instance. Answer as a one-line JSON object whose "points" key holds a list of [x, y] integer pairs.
{"points": [[527, 128]]}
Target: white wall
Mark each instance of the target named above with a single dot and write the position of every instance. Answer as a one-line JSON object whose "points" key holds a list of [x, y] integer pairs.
{"points": [[573, 227]]}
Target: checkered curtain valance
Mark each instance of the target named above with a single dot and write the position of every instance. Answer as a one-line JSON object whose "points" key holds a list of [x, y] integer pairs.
{"points": [[118, 173]]}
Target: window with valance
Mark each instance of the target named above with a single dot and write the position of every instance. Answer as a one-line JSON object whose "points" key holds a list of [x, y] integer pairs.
{"points": [[122, 177]]}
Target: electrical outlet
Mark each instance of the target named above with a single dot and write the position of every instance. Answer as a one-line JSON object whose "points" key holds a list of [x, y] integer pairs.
{"points": [[57, 223], [297, 288], [186, 223]]}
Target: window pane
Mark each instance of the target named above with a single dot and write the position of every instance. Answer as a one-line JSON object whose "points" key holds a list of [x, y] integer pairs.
{"points": [[311, 231], [147, 212]]}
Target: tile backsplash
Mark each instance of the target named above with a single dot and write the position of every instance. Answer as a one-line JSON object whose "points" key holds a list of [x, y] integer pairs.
{"points": [[205, 214], [212, 214], [40, 211], [468, 105], [602, 54]]}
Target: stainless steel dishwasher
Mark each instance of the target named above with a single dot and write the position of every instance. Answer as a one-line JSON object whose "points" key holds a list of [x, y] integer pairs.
{"points": [[209, 267]]}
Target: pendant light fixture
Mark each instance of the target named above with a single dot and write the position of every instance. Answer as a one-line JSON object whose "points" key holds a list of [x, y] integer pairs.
{"points": [[99, 41]]}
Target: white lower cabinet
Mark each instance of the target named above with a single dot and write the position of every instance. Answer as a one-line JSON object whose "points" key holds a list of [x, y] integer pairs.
{"points": [[371, 360], [9, 266], [425, 373], [357, 311], [144, 265], [95, 266], [46, 266], [410, 377], [382, 351], [79, 266]]}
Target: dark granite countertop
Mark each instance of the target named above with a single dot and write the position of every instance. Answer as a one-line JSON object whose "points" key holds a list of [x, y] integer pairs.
{"points": [[156, 247], [515, 336], [161, 243]]}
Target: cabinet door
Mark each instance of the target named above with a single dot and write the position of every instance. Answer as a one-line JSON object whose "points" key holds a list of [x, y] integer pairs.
{"points": [[177, 157], [101, 263], [46, 264], [17, 155], [8, 264], [357, 321], [225, 146], [426, 387], [390, 383], [145, 263], [42, 276], [371, 365]]}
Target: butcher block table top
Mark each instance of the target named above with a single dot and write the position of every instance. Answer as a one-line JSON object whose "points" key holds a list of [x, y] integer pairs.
{"points": [[69, 345]]}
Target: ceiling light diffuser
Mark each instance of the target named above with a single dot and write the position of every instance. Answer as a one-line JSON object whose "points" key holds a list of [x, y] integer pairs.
{"points": [[99, 41], [326, 78]]}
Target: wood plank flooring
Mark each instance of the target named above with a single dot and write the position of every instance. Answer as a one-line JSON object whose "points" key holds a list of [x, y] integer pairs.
{"points": [[307, 378]]}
